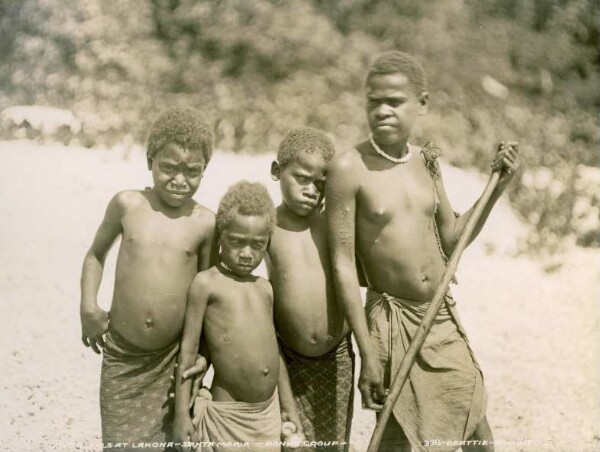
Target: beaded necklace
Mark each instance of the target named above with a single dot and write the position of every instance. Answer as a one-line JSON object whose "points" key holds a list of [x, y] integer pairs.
{"points": [[386, 156]]}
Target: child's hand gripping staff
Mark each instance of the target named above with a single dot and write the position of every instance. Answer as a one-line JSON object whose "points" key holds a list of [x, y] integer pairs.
{"points": [[505, 163]]}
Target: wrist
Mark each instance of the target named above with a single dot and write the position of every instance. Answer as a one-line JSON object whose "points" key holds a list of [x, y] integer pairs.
{"points": [[182, 413], [89, 306]]}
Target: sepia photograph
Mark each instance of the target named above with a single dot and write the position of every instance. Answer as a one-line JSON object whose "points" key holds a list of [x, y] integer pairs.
{"points": [[300, 225]]}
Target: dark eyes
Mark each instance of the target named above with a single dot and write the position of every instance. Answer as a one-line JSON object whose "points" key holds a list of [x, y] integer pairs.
{"points": [[170, 169], [394, 103], [193, 172], [253, 245]]}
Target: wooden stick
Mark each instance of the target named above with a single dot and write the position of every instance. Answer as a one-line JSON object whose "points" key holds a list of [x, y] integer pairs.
{"points": [[427, 322]]}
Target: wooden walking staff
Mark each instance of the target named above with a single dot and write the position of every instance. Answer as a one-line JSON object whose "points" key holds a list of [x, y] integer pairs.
{"points": [[427, 322]]}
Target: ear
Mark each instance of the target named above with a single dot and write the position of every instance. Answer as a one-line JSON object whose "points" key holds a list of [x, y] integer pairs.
{"points": [[149, 163], [423, 102], [275, 170]]}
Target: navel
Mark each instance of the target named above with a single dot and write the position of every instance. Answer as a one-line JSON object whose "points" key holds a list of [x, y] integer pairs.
{"points": [[226, 338], [424, 278], [313, 340], [148, 322], [265, 371]]}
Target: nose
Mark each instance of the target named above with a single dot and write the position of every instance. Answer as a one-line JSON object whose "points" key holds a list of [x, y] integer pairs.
{"points": [[381, 112], [245, 254], [179, 180], [312, 191]]}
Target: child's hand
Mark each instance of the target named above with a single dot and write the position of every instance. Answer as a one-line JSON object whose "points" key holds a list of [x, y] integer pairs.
{"points": [[370, 384], [507, 161], [183, 431], [292, 435], [94, 323]]}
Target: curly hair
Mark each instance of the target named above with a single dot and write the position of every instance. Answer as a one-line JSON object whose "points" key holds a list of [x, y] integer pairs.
{"points": [[394, 62], [245, 198], [305, 140], [184, 126]]}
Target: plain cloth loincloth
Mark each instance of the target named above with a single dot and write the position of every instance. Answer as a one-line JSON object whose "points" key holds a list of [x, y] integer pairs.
{"points": [[323, 389], [134, 393], [444, 397], [238, 426]]}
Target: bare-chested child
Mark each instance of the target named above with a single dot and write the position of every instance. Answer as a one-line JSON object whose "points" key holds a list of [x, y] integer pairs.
{"points": [[310, 323], [233, 310], [166, 237], [387, 202]]}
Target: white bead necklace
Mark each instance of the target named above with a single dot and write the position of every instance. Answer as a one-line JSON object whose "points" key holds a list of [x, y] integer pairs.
{"points": [[402, 159], [224, 266]]}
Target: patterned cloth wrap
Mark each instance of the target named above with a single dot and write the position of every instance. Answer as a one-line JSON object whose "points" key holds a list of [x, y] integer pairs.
{"points": [[237, 426], [323, 388], [444, 397], [134, 392]]}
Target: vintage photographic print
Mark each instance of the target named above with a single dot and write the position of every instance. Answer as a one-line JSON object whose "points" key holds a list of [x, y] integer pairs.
{"points": [[299, 225]]}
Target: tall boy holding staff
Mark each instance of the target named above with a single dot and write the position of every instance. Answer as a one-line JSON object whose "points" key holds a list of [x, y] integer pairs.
{"points": [[387, 203]]}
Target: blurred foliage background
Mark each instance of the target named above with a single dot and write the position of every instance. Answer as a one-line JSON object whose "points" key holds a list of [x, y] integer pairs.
{"points": [[498, 69]]}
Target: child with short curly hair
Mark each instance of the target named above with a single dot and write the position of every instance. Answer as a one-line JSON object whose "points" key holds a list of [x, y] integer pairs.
{"points": [[233, 310], [310, 322], [166, 238]]}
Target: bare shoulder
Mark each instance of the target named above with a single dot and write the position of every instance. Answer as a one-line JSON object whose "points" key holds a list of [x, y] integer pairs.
{"points": [[344, 176], [127, 200], [203, 213], [204, 280], [347, 160], [203, 216], [265, 285]]}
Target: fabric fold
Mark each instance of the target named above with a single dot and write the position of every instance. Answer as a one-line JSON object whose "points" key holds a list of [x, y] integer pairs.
{"points": [[444, 398], [324, 394], [235, 426], [134, 392]]}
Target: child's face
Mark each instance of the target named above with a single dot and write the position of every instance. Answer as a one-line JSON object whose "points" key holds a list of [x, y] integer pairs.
{"points": [[177, 173], [244, 242], [393, 107], [302, 183]]}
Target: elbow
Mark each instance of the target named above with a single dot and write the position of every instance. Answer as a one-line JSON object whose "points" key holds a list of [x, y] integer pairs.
{"points": [[341, 271], [93, 258]]}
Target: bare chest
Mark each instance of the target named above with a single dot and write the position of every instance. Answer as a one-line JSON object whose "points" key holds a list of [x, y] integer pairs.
{"points": [[153, 232], [293, 250], [401, 193], [233, 308]]}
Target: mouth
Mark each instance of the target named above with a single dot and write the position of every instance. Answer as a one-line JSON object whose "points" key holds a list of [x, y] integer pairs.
{"points": [[384, 126], [178, 193], [309, 204]]}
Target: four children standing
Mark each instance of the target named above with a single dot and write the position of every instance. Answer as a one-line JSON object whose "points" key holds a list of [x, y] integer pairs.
{"points": [[281, 349]]}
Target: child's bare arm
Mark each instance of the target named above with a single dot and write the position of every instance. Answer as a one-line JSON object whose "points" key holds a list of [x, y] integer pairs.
{"points": [[209, 250], [289, 409], [341, 191], [450, 226], [198, 296], [94, 320]]}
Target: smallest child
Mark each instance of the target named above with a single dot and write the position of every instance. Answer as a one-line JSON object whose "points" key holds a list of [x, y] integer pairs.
{"points": [[233, 310]]}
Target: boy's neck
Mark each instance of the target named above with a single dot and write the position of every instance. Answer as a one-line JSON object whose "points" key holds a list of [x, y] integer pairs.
{"points": [[397, 150], [288, 219], [225, 270], [172, 212]]}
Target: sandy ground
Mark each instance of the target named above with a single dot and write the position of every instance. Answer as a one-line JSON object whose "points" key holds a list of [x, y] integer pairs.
{"points": [[535, 331]]}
